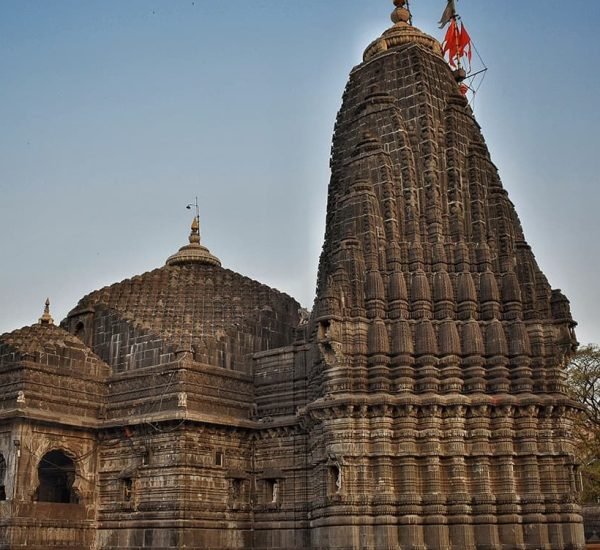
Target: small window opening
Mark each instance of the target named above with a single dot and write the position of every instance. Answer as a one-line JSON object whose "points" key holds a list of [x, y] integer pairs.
{"points": [[127, 489], [219, 458], [56, 473], [334, 479], [324, 327], [273, 491]]}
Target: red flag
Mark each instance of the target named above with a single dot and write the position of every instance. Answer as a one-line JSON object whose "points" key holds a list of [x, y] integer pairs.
{"points": [[451, 43], [464, 43]]}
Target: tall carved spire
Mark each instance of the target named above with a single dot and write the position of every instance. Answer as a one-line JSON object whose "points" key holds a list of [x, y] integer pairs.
{"points": [[445, 311], [418, 220]]}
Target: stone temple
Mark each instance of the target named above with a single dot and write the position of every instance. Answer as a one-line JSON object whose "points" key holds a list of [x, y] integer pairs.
{"points": [[420, 405]]}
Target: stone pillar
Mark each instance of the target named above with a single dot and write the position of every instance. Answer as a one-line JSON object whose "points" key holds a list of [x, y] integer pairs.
{"points": [[435, 528], [458, 499], [410, 528], [384, 500], [483, 497], [502, 464], [532, 501], [510, 528]]}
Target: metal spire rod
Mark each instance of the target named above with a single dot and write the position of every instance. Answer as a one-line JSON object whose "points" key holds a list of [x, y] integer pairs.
{"points": [[195, 204]]}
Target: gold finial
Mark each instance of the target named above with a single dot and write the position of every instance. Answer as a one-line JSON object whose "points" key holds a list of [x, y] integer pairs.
{"points": [[195, 232], [402, 12], [402, 32], [194, 252], [46, 318]]}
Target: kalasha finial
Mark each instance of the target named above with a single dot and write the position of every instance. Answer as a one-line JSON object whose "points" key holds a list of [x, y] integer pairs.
{"points": [[194, 252], [195, 232], [46, 318], [402, 32], [402, 12]]}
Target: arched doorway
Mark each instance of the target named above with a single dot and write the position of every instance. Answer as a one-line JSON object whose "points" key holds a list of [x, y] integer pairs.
{"points": [[56, 473]]}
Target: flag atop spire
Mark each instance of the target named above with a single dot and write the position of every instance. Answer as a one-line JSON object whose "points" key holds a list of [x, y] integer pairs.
{"points": [[457, 44]]}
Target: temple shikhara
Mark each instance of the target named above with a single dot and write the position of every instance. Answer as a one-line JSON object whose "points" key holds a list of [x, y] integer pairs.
{"points": [[420, 405]]}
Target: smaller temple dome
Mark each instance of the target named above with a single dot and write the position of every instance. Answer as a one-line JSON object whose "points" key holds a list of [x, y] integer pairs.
{"points": [[193, 252]]}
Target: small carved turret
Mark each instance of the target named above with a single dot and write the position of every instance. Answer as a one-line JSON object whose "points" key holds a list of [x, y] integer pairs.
{"points": [[329, 304], [378, 341], [489, 296], [443, 295], [495, 340], [511, 296], [426, 350], [472, 339], [483, 256], [449, 349], [462, 258], [374, 295], [496, 350], [466, 296], [473, 350], [425, 339], [398, 296], [402, 351], [448, 338], [46, 318], [519, 351], [378, 356], [420, 295]]}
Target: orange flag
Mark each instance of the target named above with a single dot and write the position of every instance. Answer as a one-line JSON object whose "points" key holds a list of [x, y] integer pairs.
{"points": [[451, 43], [464, 43]]}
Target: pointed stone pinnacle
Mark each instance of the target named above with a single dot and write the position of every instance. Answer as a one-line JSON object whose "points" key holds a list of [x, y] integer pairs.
{"points": [[46, 318]]}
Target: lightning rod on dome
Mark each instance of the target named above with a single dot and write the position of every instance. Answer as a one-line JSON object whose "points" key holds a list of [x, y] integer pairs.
{"points": [[195, 204]]}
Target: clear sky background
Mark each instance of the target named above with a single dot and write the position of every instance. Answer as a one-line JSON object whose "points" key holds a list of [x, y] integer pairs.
{"points": [[115, 114]]}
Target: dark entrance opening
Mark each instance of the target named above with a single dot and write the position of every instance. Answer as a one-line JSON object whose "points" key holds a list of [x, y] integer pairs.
{"points": [[56, 474], [80, 331], [2, 477]]}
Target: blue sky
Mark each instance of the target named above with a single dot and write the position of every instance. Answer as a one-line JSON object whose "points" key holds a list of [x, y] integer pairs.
{"points": [[115, 114]]}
